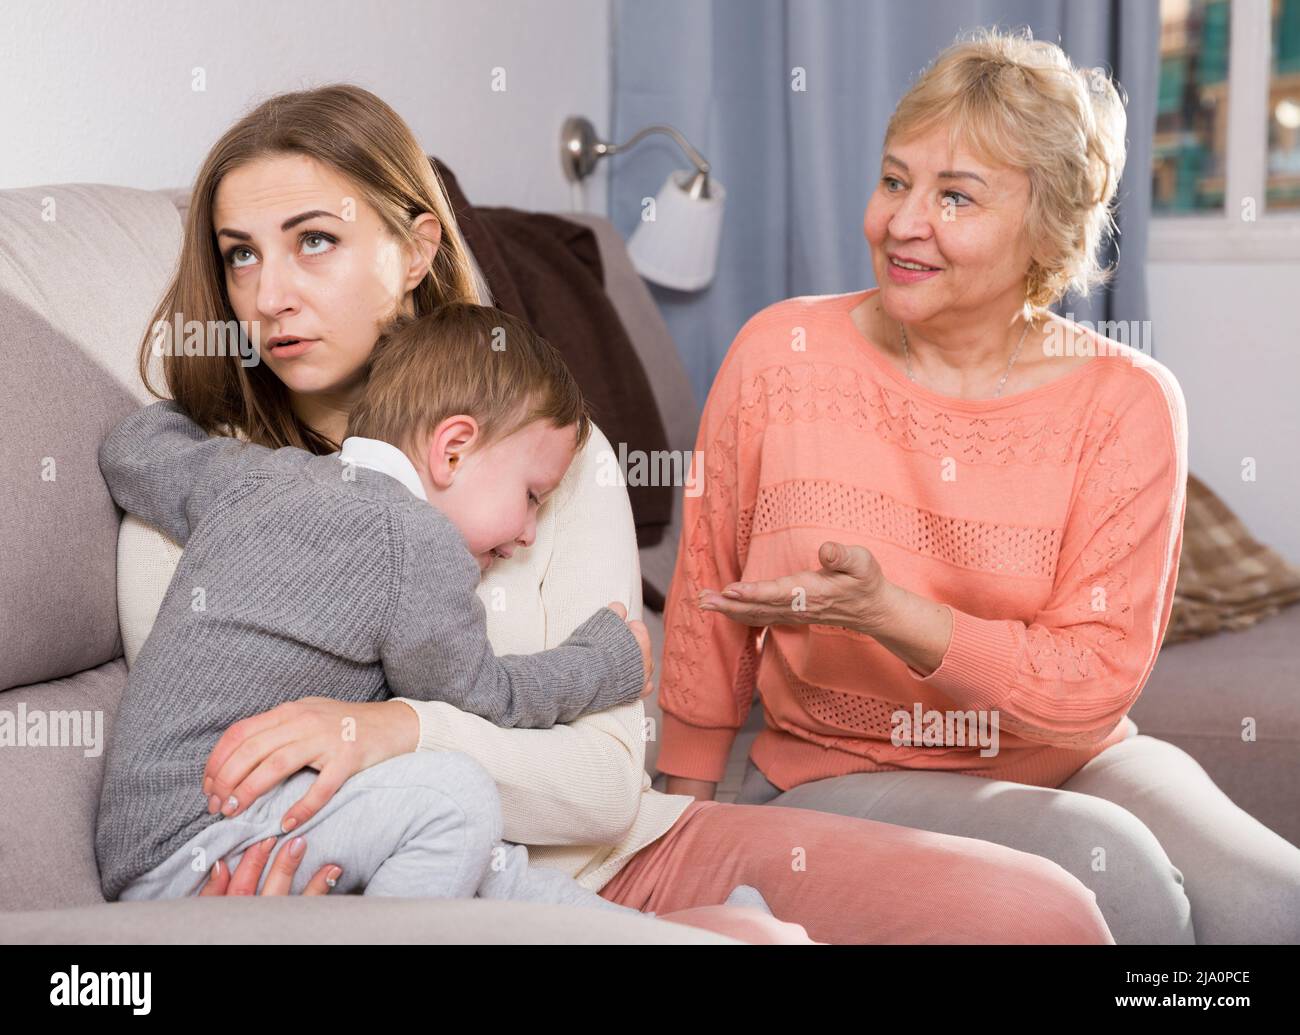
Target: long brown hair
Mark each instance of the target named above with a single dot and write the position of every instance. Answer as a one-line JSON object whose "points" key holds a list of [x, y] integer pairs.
{"points": [[354, 132]]}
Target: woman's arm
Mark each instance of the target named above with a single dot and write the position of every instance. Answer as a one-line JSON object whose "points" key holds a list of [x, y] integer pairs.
{"points": [[1070, 676], [574, 784], [710, 664], [535, 770]]}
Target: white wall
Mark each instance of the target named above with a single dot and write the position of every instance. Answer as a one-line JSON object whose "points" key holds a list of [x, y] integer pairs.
{"points": [[1231, 336], [94, 92], [102, 92]]}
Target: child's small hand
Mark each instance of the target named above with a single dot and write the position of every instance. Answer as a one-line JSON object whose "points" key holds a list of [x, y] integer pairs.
{"points": [[642, 635]]}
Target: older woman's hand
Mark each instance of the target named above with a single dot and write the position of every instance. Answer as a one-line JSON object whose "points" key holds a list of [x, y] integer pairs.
{"points": [[849, 590], [336, 738]]}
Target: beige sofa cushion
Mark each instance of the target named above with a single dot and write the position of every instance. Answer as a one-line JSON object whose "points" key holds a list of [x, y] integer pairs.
{"points": [[81, 268]]}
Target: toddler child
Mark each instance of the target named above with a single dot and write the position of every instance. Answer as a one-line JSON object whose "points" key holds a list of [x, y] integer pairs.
{"points": [[353, 576]]}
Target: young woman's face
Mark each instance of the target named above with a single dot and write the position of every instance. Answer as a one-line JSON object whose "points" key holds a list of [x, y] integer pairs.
{"points": [[306, 256], [971, 230]]}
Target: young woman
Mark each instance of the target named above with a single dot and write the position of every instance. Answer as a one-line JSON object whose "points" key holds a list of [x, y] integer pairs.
{"points": [[315, 218]]}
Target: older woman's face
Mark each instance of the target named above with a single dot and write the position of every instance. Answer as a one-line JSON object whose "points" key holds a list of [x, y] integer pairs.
{"points": [[306, 256], [968, 227]]}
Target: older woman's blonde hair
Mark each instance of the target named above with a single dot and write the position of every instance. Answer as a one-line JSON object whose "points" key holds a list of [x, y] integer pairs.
{"points": [[1015, 101]]}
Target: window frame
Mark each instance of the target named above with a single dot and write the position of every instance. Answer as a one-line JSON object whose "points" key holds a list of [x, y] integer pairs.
{"points": [[1224, 236]]}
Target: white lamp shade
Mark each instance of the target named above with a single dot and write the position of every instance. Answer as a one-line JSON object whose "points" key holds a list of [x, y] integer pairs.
{"points": [[678, 248]]}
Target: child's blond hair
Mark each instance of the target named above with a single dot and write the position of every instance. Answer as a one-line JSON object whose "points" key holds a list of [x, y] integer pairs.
{"points": [[465, 358]]}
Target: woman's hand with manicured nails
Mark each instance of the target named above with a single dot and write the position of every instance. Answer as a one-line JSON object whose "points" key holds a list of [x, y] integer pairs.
{"points": [[337, 738], [642, 635], [243, 881]]}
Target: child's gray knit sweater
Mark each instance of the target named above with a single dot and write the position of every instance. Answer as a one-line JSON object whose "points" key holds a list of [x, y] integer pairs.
{"points": [[302, 577]]}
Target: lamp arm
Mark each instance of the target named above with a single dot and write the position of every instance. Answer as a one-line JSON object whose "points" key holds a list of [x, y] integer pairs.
{"points": [[696, 158]]}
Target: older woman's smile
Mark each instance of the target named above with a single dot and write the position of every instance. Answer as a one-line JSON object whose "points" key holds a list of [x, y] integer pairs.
{"points": [[910, 273], [911, 262]]}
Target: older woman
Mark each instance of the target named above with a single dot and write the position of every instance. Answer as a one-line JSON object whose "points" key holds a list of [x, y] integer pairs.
{"points": [[959, 517], [317, 217]]}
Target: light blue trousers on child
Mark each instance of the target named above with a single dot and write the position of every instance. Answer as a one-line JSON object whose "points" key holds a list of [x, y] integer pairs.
{"points": [[422, 825]]}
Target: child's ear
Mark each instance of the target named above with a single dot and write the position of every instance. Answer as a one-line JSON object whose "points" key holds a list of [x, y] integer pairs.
{"points": [[441, 468], [445, 449]]}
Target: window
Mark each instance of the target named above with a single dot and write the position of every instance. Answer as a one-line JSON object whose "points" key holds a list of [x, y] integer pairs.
{"points": [[1284, 109], [1226, 150], [1188, 159]]}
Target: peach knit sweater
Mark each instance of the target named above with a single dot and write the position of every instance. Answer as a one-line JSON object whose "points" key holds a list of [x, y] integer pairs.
{"points": [[1049, 521]]}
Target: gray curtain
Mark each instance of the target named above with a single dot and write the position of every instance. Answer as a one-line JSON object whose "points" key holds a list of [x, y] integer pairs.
{"points": [[799, 167]]}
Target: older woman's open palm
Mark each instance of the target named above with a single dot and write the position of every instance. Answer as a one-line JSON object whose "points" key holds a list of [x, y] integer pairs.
{"points": [[848, 590]]}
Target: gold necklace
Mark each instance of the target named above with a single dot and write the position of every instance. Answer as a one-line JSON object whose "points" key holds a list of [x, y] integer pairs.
{"points": [[907, 358]]}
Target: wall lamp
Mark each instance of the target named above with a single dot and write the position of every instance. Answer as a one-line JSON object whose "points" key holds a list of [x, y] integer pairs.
{"points": [[676, 242]]}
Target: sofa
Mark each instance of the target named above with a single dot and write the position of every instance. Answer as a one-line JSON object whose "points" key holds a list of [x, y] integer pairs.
{"points": [[81, 267]]}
